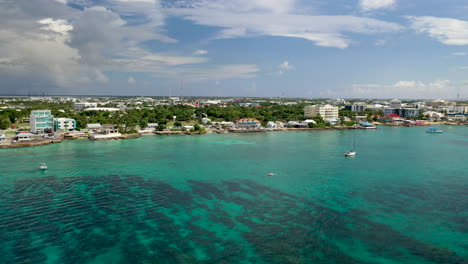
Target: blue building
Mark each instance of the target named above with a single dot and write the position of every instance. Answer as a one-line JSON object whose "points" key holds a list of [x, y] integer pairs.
{"points": [[403, 112], [41, 121]]}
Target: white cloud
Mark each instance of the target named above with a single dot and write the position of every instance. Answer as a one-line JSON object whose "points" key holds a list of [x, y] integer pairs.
{"points": [[404, 89], [380, 43], [59, 25], [242, 18], [61, 1], [138, 1], [449, 31], [131, 80], [284, 67], [368, 5], [460, 54], [173, 60], [200, 52]]}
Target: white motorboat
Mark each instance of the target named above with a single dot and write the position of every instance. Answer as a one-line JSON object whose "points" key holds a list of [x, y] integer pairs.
{"points": [[43, 166]]}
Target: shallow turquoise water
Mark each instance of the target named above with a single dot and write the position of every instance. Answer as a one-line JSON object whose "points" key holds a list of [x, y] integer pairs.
{"points": [[208, 199]]}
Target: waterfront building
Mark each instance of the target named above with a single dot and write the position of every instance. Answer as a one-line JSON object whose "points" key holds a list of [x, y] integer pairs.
{"points": [[433, 115], [66, 124], [403, 112], [2, 136], [109, 129], [325, 111], [332, 121], [459, 117], [41, 121], [407, 112], [83, 105], [394, 118], [94, 127], [271, 124], [248, 123], [24, 136]]}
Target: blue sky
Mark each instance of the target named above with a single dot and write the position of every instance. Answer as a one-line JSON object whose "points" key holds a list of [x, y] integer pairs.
{"points": [[314, 48]]}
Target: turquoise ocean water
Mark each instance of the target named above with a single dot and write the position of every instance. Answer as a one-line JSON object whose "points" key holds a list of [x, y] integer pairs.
{"points": [[208, 199]]}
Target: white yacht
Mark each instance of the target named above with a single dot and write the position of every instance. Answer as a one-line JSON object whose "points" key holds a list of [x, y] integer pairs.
{"points": [[43, 166]]}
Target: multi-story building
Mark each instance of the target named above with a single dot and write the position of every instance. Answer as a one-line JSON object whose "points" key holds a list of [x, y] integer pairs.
{"points": [[337, 101], [439, 102], [403, 112], [461, 109], [41, 121], [325, 111], [459, 117], [83, 105], [357, 107], [395, 103], [248, 123], [64, 124]]}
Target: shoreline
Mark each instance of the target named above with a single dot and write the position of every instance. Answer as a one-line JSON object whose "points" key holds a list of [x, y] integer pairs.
{"points": [[221, 131]]}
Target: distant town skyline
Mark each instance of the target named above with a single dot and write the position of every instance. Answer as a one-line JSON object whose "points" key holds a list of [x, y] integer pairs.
{"points": [[241, 48]]}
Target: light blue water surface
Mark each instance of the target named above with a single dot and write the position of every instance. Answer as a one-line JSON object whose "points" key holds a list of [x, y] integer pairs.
{"points": [[208, 199]]}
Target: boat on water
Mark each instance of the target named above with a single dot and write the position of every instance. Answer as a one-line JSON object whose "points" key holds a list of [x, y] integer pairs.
{"points": [[352, 152], [367, 125], [434, 130], [270, 174], [43, 166]]}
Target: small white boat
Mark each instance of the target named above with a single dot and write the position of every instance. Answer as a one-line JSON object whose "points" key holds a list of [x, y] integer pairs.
{"points": [[43, 166], [351, 153], [270, 174]]}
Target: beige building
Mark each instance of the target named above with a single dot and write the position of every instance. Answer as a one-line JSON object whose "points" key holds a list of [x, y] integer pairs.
{"points": [[325, 111]]}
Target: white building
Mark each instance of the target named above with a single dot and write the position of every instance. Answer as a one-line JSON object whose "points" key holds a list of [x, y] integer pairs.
{"points": [[41, 121], [2, 136], [395, 103], [337, 101], [325, 111], [271, 124], [83, 105], [205, 120], [461, 109], [459, 117], [104, 109], [24, 136], [433, 115], [94, 127], [66, 124]]}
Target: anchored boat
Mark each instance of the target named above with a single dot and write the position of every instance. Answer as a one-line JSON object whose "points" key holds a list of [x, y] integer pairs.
{"points": [[434, 130], [43, 166]]}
